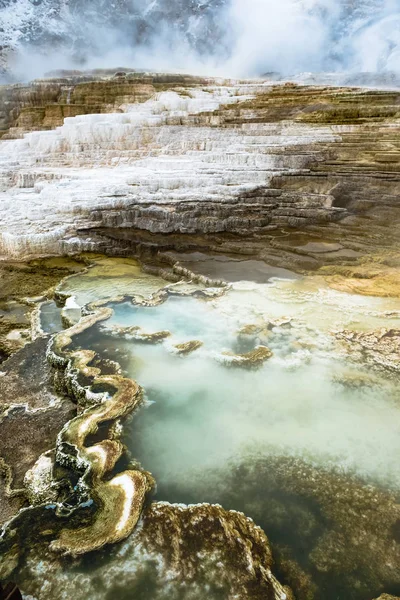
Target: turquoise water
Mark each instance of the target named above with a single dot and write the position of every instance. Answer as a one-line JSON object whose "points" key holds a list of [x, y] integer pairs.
{"points": [[213, 432], [202, 412]]}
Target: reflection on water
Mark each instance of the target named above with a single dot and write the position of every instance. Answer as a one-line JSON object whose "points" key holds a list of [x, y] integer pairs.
{"points": [[50, 317]]}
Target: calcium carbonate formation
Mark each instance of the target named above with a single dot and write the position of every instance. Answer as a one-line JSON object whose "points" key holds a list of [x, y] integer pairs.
{"points": [[167, 165]]}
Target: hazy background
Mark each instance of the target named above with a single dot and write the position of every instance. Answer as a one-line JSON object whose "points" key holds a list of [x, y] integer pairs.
{"points": [[243, 38]]}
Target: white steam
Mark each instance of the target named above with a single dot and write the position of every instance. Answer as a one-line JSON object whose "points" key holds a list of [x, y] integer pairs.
{"points": [[276, 36], [292, 36], [301, 403], [236, 38]]}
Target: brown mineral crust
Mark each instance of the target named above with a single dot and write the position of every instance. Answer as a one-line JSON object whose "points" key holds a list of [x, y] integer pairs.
{"points": [[377, 279], [119, 504], [254, 358], [188, 347], [32, 414], [139, 335], [356, 548], [152, 338], [31, 279], [232, 550], [250, 330], [297, 578], [380, 349], [22, 286], [177, 552], [353, 379]]}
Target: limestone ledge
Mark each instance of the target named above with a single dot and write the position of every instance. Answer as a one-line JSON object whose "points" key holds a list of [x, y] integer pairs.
{"points": [[137, 334], [119, 500]]}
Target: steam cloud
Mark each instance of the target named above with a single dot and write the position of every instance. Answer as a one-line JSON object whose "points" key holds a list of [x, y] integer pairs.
{"points": [[241, 38]]}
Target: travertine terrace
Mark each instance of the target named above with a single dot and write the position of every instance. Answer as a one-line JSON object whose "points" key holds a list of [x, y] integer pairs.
{"points": [[164, 204], [165, 160]]}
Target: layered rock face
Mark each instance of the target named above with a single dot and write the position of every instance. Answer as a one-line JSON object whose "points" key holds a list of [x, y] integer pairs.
{"points": [[203, 164], [163, 166], [45, 103]]}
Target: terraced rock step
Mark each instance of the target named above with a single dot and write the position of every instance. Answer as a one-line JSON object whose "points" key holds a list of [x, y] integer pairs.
{"points": [[180, 163], [45, 104]]}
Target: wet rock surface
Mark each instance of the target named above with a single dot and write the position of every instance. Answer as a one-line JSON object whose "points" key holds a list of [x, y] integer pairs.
{"points": [[248, 360], [31, 416], [188, 347], [331, 534], [136, 333], [23, 287], [176, 552]]}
